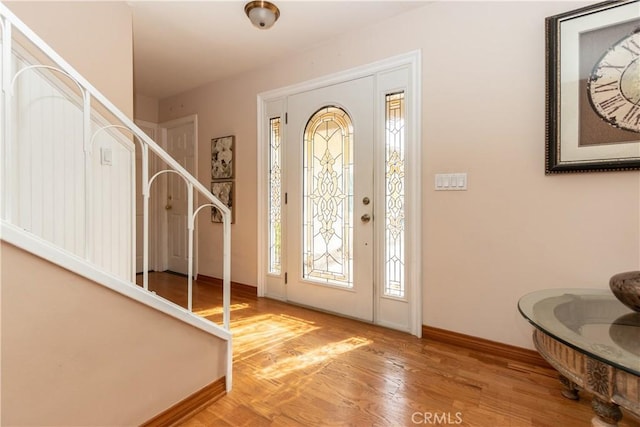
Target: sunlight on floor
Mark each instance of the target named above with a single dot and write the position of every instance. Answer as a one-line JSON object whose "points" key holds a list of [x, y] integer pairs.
{"points": [[255, 334], [218, 310], [313, 357]]}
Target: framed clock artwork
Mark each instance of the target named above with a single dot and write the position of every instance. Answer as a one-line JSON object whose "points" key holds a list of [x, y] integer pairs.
{"points": [[593, 88]]}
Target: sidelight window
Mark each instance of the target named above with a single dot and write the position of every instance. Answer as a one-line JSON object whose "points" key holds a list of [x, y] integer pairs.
{"points": [[394, 260]]}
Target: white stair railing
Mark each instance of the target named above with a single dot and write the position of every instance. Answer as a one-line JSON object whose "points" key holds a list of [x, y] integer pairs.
{"points": [[100, 119]]}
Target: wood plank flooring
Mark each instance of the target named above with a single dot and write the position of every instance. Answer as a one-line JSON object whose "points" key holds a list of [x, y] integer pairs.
{"points": [[298, 367]]}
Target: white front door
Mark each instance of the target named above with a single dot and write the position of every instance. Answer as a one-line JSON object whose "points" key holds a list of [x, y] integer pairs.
{"points": [[180, 145], [330, 195]]}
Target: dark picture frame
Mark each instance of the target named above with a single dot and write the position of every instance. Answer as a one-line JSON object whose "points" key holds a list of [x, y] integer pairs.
{"points": [[580, 136], [224, 191], [222, 157]]}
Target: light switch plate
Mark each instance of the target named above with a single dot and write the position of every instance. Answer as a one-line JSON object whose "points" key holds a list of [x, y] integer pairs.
{"points": [[451, 181], [106, 156]]}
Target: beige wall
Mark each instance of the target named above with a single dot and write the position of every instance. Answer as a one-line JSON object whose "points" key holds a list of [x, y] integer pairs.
{"points": [[515, 230], [94, 37], [145, 108], [74, 353]]}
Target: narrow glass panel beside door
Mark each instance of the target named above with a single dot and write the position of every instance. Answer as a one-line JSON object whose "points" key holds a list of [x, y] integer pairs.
{"points": [[394, 195], [275, 196]]}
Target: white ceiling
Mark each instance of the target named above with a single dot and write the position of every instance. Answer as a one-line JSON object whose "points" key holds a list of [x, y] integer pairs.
{"points": [[180, 45]]}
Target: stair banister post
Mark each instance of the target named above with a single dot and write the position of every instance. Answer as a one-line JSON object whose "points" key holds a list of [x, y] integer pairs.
{"points": [[145, 214], [7, 166], [87, 138], [191, 222], [229, 379], [226, 270]]}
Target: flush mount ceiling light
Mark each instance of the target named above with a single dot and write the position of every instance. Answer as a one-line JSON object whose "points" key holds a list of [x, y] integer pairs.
{"points": [[262, 14]]}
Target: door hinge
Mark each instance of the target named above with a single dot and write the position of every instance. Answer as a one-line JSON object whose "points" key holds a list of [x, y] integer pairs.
{"points": [[286, 118], [286, 196], [285, 278]]}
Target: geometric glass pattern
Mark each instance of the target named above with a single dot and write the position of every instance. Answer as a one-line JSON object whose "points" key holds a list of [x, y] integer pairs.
{"points": [[328, 198], [394, 260], [275, 196]]}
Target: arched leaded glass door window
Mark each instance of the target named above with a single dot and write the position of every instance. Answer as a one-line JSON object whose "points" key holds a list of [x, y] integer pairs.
{"points": [[328, 198]]}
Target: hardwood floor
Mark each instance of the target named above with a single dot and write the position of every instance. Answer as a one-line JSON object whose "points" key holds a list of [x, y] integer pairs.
{"points": [[297, 367]]}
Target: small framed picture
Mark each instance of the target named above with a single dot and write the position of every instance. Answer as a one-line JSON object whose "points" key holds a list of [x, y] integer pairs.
{"points": [[222, 162], [223, 190]]}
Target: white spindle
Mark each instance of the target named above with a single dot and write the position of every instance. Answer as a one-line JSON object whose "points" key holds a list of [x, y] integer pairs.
{"points": [[88, 181], [7, 176], [226, 270], [145, 216], [190, 225]]}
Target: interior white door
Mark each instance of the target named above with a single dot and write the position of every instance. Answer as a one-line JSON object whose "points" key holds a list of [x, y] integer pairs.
{"points": [[330, 198], [180, 145]]}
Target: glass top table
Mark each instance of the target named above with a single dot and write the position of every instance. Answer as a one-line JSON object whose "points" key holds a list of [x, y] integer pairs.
{"points": [[591, 321]]}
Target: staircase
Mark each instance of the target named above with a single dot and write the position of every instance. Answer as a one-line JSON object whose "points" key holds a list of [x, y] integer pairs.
{"points": [[68, 228]]}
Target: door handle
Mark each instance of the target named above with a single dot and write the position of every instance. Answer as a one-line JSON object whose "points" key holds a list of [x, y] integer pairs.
{"points": [[365, 218]]}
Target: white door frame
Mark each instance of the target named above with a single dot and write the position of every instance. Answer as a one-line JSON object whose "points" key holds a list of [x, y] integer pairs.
{"points": [[413, 210], [162, 229]]}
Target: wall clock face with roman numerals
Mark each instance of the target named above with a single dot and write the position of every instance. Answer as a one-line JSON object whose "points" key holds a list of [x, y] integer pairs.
{"points": [[614, 84]]}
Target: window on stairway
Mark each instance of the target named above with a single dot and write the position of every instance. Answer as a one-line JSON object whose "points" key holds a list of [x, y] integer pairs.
{"points": [[275, 196], [394, 283]]}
